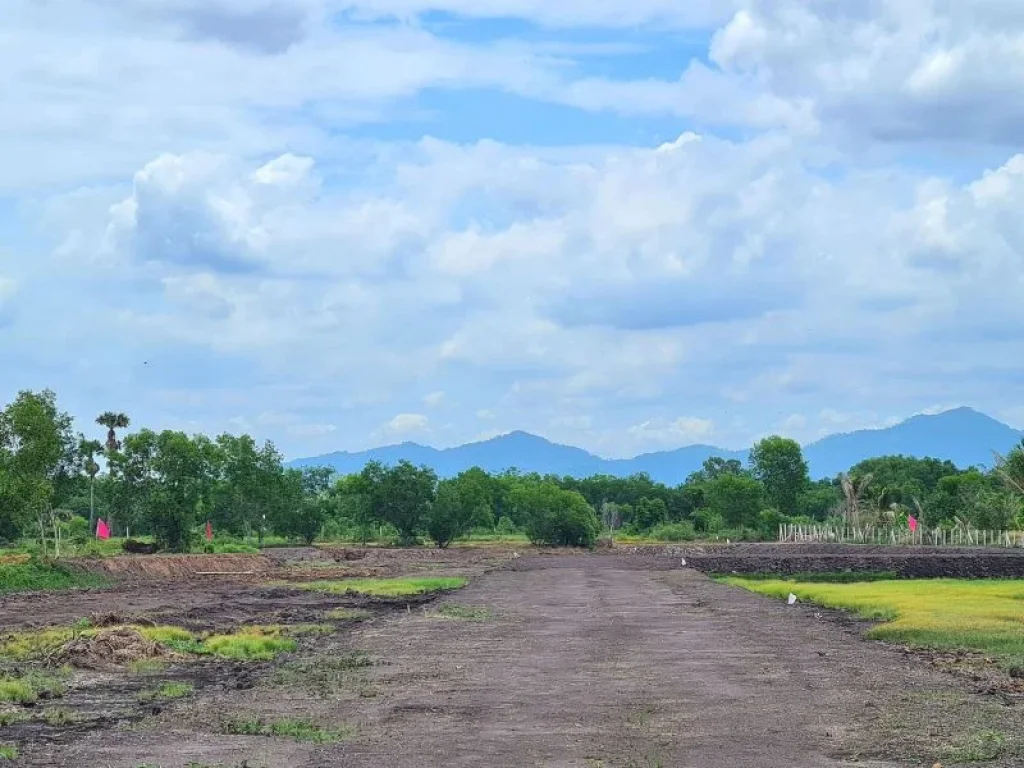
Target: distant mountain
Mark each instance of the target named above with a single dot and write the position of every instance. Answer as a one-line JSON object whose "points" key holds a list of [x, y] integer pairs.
{"points": [[963, 436]]}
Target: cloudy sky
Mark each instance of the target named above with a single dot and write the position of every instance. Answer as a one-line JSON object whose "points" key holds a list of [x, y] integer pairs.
{"points": [[627, 225]]}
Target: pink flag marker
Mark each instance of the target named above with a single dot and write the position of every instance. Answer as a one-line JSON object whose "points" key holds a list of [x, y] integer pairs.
{"points": [[912, 522], [102, 530], [209, 531]]}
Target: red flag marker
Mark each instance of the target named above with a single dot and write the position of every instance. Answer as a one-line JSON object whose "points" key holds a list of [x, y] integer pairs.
{"points": [[102, 530], [912, 522], [209, 531]]}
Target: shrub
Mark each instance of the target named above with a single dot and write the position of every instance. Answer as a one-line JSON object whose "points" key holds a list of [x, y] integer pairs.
{"points": [[557, 517], [674, 532]]}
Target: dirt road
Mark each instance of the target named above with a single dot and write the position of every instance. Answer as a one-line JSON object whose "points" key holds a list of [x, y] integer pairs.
{"points": [[593, 662]]}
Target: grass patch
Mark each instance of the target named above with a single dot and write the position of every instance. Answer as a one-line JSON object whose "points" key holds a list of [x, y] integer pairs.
{"points": [[976, 748], [347, 614], [167, 691], [323, 675], [147, 666], [29, 688], [34, 576], [252, 646], [59, 717], [12, 716], [464, 612], [385, 587], [8, 752], [943, 614], [297, 729]]}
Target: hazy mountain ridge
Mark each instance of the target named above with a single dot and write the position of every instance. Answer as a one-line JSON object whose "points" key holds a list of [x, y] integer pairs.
{"points": [[964, 436]]}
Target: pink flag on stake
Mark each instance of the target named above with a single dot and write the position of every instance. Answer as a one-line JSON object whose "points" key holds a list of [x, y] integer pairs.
{"points": [[209, 531], [912, 522], [102, 531]]}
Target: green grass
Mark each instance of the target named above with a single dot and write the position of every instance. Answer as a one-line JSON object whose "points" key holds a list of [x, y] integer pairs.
{"points": [[29, 688], [323, 675], [12, 716], [384, 587], [166, 691], [249, 646], [296, 729], [147, 666], [465, 612], [347, 614], [38, 577], [983, 746], [8, 752], [59, 717], [985, 616]]}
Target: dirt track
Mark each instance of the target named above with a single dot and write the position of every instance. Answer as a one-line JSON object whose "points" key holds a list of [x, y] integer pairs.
{"points": [[589, 662]]}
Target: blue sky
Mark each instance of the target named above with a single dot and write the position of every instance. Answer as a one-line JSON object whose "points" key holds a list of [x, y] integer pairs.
{"points": [[627, 225]]}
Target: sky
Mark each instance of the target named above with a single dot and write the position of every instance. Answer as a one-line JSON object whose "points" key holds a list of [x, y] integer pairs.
{"points": [[626, 225]]}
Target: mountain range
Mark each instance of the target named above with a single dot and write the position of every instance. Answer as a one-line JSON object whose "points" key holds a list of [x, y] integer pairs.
{"points": [[963, 436]]}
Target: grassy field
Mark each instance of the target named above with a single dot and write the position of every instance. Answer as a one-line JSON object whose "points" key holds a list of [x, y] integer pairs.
{"points": [[986, 616], [34, 576]]}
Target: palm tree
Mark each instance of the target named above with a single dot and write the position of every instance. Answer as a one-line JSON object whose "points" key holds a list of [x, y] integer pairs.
{"points": [[113, 421], [854, 496]]}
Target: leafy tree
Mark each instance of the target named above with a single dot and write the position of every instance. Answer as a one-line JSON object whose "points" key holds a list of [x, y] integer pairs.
{"points": [[648, 513], [178, 493], [113, 421], [38, 463], [556, 516], [736, 498], [779, 464], [461, 504], [400, 495]]}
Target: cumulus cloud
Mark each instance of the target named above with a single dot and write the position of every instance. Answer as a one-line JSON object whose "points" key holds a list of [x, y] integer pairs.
{"points": [[684, 430], [405, 424]]}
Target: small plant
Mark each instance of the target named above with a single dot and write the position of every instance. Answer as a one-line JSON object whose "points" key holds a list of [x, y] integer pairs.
{"points": [[292, 728], [385, 587], [147, 666], [977, 747], [8, 752], [30, 688], [465, 612], [347, 614], [12, 716], [168, 690], [59, 717]]}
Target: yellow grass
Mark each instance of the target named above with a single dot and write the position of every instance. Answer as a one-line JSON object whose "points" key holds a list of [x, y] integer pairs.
{"points": [[986, 616]]}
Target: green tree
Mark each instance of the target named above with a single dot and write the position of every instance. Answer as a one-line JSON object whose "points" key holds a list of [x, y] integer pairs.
{"points": [[778, 463], [400, 495], [177, 494], [38, 463], [738, 499], [648, 513], [555, 516], [461, 504]]}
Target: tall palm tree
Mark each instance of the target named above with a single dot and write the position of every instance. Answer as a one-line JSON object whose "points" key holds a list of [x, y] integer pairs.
{"points": [[113, 421]]}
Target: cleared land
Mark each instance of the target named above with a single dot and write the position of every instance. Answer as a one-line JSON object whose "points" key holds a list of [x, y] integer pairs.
{"points": [[595, 661]]}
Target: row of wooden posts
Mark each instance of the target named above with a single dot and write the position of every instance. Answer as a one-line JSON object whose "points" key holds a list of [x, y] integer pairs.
{"points": [[941, 537]]}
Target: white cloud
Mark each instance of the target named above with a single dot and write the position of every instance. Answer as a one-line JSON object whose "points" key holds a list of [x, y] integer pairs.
{"points": [[678, 432], [407, 424], [433, 399]]}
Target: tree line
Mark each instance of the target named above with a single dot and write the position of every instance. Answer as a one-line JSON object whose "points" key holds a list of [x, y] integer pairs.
{"points": [[168, 484]]}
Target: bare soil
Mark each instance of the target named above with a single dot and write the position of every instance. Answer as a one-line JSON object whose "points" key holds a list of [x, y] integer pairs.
{"points": [[588, 661]]}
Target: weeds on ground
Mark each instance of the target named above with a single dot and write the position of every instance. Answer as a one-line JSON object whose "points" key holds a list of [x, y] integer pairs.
{"points": [[465, 612], [384, 587], [59, 717], [8, 752], [296, 729], [30, 687], [12, 716], [38, 576], [347, 614], [249, 646], [166, 691], [982, 746], [147, 666], [323, 675], [943, 614]]}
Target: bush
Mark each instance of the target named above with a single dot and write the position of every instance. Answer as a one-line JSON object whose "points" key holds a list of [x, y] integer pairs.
{"points": [[557, 517], [707, 521], [674, 532]]}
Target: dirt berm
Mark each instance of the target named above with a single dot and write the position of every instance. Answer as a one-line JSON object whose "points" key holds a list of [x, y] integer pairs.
{"points": [[909, 562]]}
